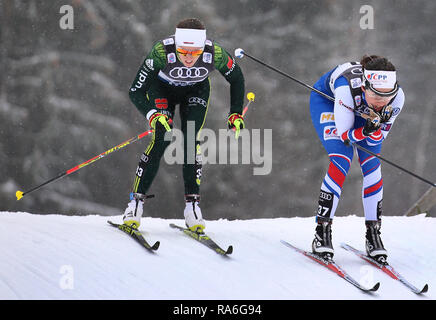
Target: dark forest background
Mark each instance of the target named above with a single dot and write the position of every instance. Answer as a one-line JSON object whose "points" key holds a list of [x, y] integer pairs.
{"points": [[64, 99]]}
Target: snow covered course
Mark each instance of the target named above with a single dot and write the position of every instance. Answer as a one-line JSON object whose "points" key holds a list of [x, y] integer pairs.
{"points": [[82, 257]]}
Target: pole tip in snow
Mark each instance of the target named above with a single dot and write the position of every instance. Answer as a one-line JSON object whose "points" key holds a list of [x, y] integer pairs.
{"points": [[239, 53], [250, 96], [19, 194]]}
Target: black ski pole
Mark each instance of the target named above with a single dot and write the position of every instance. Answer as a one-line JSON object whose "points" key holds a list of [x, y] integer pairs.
{"points": [[347, 142], [240, 53]]}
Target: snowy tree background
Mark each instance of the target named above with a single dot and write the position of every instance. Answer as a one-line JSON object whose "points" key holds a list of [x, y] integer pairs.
{"points": [[64, 99]]}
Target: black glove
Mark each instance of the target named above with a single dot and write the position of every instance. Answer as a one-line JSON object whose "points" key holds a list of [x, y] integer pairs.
{"points": [[371, 126], [386, 113]]}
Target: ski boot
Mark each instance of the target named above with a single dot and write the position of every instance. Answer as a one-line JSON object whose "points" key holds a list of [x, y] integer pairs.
{"points": [[374, 244], [133, 213], [322, 244], [193, 218]]}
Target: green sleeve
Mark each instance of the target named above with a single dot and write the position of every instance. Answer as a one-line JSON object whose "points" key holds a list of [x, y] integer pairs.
{"points": [[147, 73], [231, 71]]}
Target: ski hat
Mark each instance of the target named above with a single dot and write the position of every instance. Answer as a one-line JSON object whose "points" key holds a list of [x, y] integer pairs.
{"points": [[381, 79], [190, 37]]}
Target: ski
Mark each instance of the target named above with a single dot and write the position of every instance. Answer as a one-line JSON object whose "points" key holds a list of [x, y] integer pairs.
{"points": [[204, 239], [386, 268], [135, 234], [331, 265]]}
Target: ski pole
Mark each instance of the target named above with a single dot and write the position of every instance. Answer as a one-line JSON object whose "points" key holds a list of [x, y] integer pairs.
{"points": [[19, 194], [240, 53], [347, 142], [250, 97]]}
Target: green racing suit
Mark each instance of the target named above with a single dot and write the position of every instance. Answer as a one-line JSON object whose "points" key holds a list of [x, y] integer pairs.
{"points": [[161, 83]]}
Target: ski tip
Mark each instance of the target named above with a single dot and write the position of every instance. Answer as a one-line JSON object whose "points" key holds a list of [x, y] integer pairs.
{"points": [[229, 250], [375, 288], [284, 242], [424, 290], [155, 246], [345, 246]]}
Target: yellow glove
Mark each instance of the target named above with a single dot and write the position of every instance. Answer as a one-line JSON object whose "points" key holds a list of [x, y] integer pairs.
{"points": [[236, 123], [161, 118]]}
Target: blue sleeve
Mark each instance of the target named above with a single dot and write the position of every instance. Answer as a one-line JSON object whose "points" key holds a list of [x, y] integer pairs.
{"points": [[341, 81]]}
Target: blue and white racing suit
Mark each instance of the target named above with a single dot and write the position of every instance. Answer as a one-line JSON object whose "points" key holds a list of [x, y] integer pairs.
{"points": [[337, 121]]}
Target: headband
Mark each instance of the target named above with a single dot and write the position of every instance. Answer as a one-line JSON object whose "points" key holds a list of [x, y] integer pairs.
{"points": [[190, 37], [380, 79]]}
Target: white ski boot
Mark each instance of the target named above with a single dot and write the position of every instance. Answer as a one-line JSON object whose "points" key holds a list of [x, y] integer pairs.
{"points": [[133, 213], [193, 218]]}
